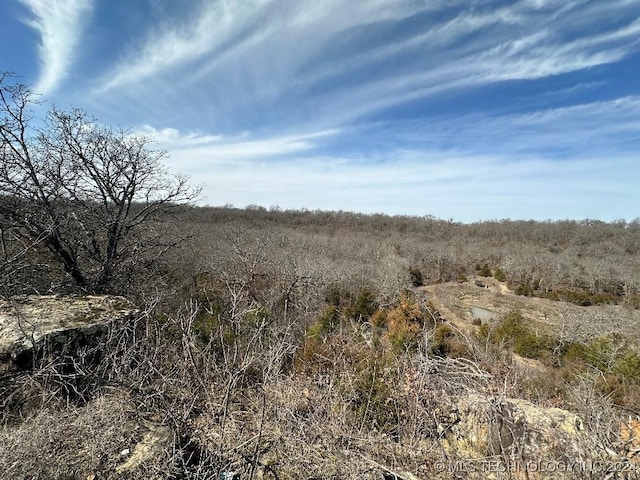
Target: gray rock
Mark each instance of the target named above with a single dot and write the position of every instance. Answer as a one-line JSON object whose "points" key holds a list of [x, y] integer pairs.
{"points": [[157, 439], [482, 429], [29, 323]]}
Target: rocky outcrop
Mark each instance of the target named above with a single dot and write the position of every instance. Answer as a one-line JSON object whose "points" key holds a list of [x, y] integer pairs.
{"points": [[630, 438], [499, 435], [31, 324], [155, 441]]}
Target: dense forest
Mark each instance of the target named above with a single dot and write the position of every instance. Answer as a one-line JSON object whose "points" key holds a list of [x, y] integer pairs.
{"points": [[274, 341]]}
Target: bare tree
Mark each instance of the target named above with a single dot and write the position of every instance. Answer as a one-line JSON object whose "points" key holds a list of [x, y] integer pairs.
{"points": [[81, 189]]}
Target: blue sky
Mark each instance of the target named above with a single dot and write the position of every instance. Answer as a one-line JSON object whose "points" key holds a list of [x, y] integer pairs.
{"points": [[470, 110]]}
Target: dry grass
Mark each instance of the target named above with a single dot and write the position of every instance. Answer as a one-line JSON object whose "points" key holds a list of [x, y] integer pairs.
{"points": [[239, 358], [68, 442]]}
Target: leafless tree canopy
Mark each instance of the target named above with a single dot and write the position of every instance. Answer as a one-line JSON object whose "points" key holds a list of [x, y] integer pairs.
{"points": [[80, 190]]}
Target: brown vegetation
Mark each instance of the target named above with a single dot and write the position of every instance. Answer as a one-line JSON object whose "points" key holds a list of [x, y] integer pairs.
{"points": [[295, 344], [306, 344]]}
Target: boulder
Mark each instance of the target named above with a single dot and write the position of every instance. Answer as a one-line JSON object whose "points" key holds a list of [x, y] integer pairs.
{"points": [[498, 436], [34, 323]]}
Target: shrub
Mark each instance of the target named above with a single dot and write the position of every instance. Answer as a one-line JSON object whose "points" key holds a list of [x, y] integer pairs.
{"points": [[405, 323], [372, 399], [628, 367], [622, 381], [612, 386], [483, 332], [441, 335], [510, 328], [573, 352], [315, 353], [416, 277], [530, 345], [599, 353], [446, 343], [334, 296], [320, 354], [523, 289], [607, 355], [528, 287], [210, 317], [326, 323], [500, 275], [513, 331], [577, 297], [633, 301], [256, 319], [362, 306], [485, 270]]}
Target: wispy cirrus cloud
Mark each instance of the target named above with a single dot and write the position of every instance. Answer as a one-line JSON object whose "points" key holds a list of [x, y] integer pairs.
{"points": [[198, 149], [60, 24], [471, 168], [322, 65], [521, 44], [563, 134], [171, 44], [462, 109], [224, 30]]}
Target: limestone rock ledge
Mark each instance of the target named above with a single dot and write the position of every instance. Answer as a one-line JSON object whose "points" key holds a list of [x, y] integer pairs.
{"points": [[529, 441], [27, 323]]}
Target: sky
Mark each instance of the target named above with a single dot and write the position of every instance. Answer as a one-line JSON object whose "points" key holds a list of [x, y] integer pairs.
{"points": [[468, 110]]}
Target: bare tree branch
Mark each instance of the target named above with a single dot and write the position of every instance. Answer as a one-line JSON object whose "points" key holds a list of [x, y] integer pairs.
{"points": [[84, 190]]}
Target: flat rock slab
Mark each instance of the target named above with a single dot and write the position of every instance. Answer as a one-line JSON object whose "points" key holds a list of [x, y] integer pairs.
{"points": [[27, 321]]}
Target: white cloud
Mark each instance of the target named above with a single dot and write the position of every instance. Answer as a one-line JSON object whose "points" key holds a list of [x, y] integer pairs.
{"points": [[60, 24], [509, 43], [460, 187], [276, 69], [169, 44], [537, 55], [197, 151], [467, 184], [225, 29], [603, 128], [323, 64], [174, 138], [593, 127]]}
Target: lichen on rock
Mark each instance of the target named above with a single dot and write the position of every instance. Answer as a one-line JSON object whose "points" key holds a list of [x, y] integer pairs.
{"points": [[517, 432], [29, 322]]}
